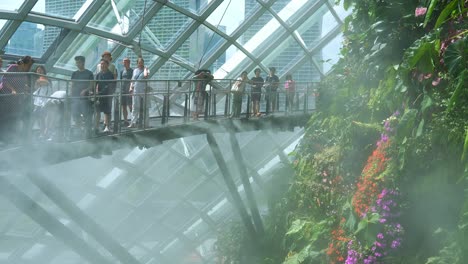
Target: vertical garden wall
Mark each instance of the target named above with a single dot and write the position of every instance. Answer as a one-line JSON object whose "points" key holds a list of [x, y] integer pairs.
{"points": [[381, 174]]}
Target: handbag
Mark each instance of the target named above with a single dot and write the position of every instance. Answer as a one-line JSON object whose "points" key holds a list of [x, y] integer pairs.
{"points": [[236, 87]]}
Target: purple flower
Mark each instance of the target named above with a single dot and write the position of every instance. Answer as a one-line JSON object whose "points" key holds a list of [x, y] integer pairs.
{"points": [[383, 137], [395, 244], [387, 124], [352, 257], [390, 237]]}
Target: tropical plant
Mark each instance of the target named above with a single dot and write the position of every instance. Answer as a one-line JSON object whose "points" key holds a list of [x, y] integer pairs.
{"points": [[381, 173]]}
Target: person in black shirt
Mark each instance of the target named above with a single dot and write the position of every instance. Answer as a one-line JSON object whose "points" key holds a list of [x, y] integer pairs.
{"points": [[271, 85], [105, 86], [257, 83], [81, 108], [126, 102]]}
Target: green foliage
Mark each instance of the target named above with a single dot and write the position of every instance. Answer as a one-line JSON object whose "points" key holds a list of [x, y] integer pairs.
{"points": [[465, 146], [450, 9], [423, 55], [386, 97], [456, 57], [451, 253], [306, 254], [460, 91], [367, 229], [407, 123], [432, 5], [391, 61], [305, 231]]}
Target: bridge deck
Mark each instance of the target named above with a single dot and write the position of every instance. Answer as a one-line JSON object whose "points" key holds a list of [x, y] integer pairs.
{"points": [[44, 152]]}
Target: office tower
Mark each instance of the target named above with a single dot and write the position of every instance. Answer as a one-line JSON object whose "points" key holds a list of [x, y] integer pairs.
{"points": [[66, 9], [26, 40], [307, 72]]}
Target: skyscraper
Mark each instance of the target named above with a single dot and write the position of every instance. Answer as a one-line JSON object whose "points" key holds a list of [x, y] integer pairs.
{"points": [[66, 9], [26, 40]]}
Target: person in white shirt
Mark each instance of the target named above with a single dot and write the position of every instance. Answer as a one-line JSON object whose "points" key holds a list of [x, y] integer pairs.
{"points": [[138, 88]]}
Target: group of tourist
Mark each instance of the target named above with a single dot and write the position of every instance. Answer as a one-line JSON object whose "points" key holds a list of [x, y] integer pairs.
{"points": [[90, 95], [270, 86], [100, 92]]}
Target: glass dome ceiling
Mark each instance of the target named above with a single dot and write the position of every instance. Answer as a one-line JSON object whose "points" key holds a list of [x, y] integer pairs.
{"points": [[176, 37], [162, 204]]}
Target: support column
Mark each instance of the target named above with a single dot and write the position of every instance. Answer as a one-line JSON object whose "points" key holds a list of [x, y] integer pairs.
{"points": [[231, 187], [32, 209], [246, 182]]}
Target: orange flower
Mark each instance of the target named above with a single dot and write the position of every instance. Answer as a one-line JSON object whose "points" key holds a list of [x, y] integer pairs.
{"points": [[337, 248], [369, 185]]}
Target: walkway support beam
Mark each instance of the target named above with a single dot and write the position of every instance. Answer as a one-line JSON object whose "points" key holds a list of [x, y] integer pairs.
{"points": [[237, 200], [32, 209], [246, 183]]}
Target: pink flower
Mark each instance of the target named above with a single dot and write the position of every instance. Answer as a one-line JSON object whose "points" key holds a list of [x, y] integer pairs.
{"points": [[420, 11], [436, 81]]}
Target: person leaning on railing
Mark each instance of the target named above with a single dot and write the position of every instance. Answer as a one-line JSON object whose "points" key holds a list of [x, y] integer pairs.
{"points": [[15, 114], [42, 91], [237, 90], [201, 79], [54, 111]]}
